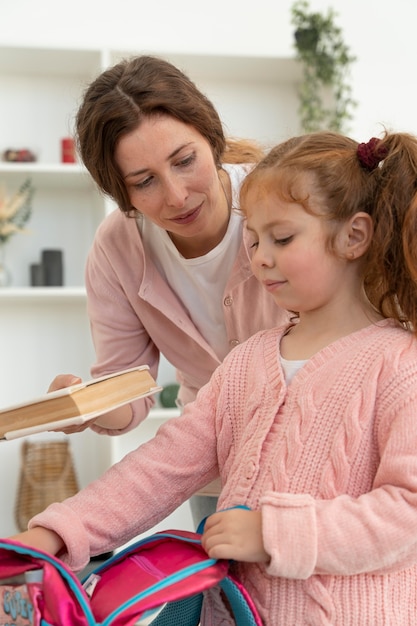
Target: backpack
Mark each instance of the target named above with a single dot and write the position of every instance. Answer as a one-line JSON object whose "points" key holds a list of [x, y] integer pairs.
{"points": [[167, 569]]}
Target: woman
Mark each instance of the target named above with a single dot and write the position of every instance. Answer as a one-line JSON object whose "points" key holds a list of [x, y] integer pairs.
{"points": [[169, 272]]}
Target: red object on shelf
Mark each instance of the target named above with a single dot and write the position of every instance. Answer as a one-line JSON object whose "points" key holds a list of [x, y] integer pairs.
{"points": [[67, 150], [22, 155]]}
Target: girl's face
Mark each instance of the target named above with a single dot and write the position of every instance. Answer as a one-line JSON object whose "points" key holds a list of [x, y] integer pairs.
{"points": [[171, 177], [290, 255]]}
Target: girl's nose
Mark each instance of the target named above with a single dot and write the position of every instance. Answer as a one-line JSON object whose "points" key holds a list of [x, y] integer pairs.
{"points": [[261, 258]]}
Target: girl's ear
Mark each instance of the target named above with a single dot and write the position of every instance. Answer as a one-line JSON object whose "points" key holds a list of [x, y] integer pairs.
{"points": [[358, 235]]}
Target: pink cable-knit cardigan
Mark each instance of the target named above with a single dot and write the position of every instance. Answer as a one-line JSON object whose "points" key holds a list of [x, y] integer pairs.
{"points": [[331, 461]]}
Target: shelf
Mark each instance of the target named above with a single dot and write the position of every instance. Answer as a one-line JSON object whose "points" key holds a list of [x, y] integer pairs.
{"points": [[42, 294], [234, 68], [60, 62], [51, 176], [159, 413], [66, 62]]}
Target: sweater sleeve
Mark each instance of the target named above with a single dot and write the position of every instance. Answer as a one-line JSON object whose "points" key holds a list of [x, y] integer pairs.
{"points": [[374, 532], [142, 489]]}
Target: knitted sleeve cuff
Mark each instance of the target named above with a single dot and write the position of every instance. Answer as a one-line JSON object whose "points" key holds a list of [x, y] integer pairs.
{"points": [[290, 534], [62, 520]]}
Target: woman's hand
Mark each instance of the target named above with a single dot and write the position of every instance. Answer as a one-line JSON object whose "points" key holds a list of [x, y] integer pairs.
{"points": [[235, 534], [61, 382], [64, 380], [113, 420]]}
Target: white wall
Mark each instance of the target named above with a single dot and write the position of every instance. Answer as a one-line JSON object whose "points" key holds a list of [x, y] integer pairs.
{"points": [[380, 33]]}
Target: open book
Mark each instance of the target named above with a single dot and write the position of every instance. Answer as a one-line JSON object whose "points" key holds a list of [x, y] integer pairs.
{"points": [[76, 404]]}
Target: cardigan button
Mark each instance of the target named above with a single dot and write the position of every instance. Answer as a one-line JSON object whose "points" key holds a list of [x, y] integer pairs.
{"points": [[228, 301], [233, 343], [250, 470]]}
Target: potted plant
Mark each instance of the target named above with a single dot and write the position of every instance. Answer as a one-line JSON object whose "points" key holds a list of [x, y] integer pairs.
{"points": [[325, 93]]}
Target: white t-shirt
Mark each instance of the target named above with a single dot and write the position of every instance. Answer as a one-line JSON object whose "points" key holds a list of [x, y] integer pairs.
{"points": [[290, 368], [200, 282]]}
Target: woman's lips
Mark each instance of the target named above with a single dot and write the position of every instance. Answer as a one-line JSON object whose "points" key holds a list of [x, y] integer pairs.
{"points": [[187, 218]]}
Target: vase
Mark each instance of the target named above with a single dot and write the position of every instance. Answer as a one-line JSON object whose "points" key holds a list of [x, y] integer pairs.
{"points": [[5, 275]]}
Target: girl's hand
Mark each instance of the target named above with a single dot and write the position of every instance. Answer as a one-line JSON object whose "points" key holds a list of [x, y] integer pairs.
{"points": [[41, 539], [235, 534]]}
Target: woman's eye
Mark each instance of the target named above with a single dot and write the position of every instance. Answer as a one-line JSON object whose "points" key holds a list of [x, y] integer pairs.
{"points": [[188, 160], [143, 183], [253, 245]]}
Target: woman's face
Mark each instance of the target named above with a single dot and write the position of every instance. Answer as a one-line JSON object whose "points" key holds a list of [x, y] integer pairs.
{"points": [[171, 178]]}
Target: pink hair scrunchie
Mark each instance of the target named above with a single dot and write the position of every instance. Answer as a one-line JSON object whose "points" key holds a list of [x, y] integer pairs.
{"points": [[371, 154]]}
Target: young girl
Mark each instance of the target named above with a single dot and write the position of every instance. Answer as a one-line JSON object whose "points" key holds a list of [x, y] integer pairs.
{"points": [[312, 425]]}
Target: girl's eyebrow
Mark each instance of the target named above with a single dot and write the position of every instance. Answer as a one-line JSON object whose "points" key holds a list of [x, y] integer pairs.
{"points": [[277, 222], [146, 169]]}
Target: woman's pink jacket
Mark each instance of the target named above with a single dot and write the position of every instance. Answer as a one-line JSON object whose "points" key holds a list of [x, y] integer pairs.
{"points": [[135, 315]]}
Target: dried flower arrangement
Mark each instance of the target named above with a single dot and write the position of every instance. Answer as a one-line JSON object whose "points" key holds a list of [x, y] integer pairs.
{"points": [[15, 210]]}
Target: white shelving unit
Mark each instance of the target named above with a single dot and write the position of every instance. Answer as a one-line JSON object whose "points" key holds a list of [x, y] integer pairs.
{"points": [[45, 331]]}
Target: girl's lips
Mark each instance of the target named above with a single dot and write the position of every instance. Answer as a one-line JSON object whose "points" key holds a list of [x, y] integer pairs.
{"points": [[187, 218], [273, 285]]}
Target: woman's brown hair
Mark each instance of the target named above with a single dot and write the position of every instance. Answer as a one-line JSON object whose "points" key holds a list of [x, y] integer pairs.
{"points": [[118, 99]]}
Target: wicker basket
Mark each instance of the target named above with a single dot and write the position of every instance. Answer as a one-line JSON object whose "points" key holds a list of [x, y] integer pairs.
{"points": [[47, 475]]}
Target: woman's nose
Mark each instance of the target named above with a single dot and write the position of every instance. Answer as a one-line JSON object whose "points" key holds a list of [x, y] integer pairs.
{"points": [[176, 193]]}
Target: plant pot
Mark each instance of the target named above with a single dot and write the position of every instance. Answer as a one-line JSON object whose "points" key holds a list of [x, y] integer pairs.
{"points": [[307, 39]]}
